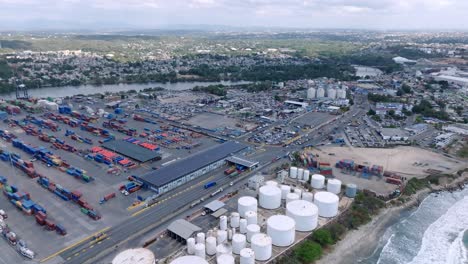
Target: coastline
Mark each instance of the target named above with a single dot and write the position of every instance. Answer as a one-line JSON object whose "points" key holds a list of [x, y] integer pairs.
{"points": [[361, 243]]}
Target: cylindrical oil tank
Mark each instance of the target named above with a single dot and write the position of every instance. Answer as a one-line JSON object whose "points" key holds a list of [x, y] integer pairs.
{"points": [[300, 173], [292, 197], [351, 190], [243, 225], [246, 203], [334, 186], [298, 191], [189, 260], [318, 181], [209, 233], [238, 243], [320, 92], [135, 255], [311, 93], [270, 197], [223, 249], [281, 229], [293, 172], [327, 204], [221, 236], [225, 259], [251, 217], [230, 234], [252, 230], [200, 238], [200, 250], [223, 222], [308, 196], [331, 93], [273, 183], [261, 245], [235, 217], [285, 189], [247, 256], [191, 245], [306, 176], [304, 213], [210, 246]]}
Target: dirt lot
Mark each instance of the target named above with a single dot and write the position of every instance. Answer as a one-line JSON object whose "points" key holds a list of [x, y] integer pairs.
{"points": [[400, 159]]}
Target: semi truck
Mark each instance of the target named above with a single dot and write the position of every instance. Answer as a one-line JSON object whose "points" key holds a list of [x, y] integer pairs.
{"points": [[209, 184]]}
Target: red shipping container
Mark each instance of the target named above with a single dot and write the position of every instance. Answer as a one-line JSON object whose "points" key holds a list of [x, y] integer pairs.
{"points": [[40, 220]]}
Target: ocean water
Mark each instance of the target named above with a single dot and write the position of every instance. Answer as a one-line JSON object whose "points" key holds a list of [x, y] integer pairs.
{"points": [[434, 233]]}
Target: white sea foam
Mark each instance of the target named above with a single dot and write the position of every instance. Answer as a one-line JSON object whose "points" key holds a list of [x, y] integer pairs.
{"points": [[442, 241]]}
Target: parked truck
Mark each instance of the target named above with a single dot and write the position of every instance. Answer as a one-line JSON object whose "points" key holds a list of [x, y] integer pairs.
{"points": [[209, 184]]}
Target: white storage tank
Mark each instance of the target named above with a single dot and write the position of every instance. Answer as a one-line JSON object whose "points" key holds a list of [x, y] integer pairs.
{"points": [[223, 249], [311, 93], [304, 213], [285, 189], [293, 172], [246, 203], [351, 190], [300, 173], [210, 246], [222, 236], [261, 245], [243, 225], [270, 197], [135, 256], [251, 217], [298, 191], [225, 259], [200, 238], [318, 181], [272, 183], [306, 176], [327, 204], [281, 229], [292, 197], [191, 245], [235, 217], [252, 230], [188, 260], [239, 242], [223, 222], [247, 256], [320, 92], [308, 196], [331, 93], [334, 186], [200, 250]]}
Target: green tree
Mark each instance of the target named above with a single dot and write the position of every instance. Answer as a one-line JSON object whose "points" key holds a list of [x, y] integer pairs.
{"points": [[323, 237], [336, 231], [308, 251], [371, 112]]}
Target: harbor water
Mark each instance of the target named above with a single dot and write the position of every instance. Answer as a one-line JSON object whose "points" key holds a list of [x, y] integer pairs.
{"points": [[434, 233], [92, 89]]}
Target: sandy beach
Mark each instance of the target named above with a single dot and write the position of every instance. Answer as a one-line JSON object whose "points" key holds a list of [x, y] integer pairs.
{"points": [[361, 243]]}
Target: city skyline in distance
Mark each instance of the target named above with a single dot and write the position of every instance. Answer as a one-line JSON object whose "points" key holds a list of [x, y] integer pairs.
{"points": [[95, 15]]}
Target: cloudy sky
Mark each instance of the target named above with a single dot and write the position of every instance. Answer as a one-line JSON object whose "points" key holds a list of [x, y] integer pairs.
{"points": [[152, 14]]}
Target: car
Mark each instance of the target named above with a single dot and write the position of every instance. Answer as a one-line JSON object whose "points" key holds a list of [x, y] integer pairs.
{"points": [[231, 183]]}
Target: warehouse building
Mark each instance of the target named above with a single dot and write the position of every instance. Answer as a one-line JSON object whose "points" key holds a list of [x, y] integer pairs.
{"points": [[182, 171]]}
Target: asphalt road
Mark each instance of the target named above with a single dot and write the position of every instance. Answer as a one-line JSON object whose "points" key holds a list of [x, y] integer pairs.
{"points": [[90, 251]]}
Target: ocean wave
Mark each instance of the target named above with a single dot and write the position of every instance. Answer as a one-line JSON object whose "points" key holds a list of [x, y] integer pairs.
{"points": [[442, 241]]}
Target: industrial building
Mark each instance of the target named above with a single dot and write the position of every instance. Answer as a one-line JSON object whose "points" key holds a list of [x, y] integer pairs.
{"points": [[182, 171], [133, 151]]}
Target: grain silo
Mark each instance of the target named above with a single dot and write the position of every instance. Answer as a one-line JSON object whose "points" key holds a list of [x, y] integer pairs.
{"points": [[320, 92], [311, 93], [331, 93]]}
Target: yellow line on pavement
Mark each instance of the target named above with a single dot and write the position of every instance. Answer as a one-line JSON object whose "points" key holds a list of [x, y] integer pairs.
{"points": [[73, 245]]}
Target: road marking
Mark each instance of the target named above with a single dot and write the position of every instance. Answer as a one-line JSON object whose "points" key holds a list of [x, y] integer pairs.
{"points": [[77, 254], [69, 258], [73, 245], [83, 250], [91, 246]]}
